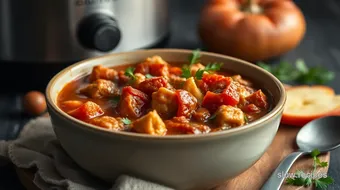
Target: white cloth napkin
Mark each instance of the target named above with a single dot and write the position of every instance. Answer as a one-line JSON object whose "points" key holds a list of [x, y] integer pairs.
{"points": [[37, 147]]}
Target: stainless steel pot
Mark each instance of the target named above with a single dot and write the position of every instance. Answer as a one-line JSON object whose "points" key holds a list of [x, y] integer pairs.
{"points": [[70, 30]]}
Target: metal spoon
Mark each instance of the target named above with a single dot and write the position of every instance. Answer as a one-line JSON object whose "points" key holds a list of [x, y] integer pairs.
{"points": [[322, 134]]}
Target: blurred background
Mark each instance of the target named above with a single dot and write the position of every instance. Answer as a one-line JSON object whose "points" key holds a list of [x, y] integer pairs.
{"points": [[176, 22]]}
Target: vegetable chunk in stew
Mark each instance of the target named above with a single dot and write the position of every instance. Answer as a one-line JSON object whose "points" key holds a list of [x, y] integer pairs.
{"points": [[160, 98]]}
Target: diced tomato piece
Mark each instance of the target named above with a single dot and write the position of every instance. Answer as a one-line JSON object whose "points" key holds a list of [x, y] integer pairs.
{"points": [[152, 85], [215, 82], [251, 108], [258, 98], [133, 102], [201, 115], [135, 92], [202, 86], [87, 111], [212, 101], [230, 95], [175, 71], [187, 103]]}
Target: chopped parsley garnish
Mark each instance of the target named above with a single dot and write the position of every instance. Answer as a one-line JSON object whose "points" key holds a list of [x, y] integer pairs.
{"points": [[126, 121], [210, 67], [194, 57], [129, 73], [148, 76]]}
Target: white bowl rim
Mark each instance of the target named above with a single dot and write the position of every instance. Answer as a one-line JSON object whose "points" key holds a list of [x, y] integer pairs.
{"points": [[255, 124]]}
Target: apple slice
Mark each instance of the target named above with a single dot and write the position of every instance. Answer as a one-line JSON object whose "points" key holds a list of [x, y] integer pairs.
{"points": [[306, 103]]}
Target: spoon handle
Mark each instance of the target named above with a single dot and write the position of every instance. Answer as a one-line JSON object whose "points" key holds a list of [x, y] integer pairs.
{"points": [[280, 174]]}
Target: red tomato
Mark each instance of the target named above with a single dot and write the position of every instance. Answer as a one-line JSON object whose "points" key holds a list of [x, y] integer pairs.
{"points": [[230, 95], [152, 85], [215, 82], [258, 98], [187, 103], [133, 102], [212, 101], [87, 111], [129, 90]]}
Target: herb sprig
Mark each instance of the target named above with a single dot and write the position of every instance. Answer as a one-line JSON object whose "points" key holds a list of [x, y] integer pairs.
{"points": [[126, 121], [194, 58], [299, 72], [148, 76], [129, 72], [210, 67], [303, 179]]}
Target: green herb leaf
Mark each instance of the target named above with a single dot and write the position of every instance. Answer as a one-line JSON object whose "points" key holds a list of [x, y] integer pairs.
{"points": [[208, 68], [322, 183], [299, 72], [308, 182], [246, 118], [299, 179], [321, 164], [186, 72], [126, 121], [129, 73], [194, 57], [148, 76], [199, 74], [315, 153]]}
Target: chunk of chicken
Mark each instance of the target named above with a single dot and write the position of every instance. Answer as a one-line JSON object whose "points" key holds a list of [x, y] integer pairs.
{"points": [[100, 89], [164, 101], [228, 116], [101, 72], [155, 66], [122, 78], [191, 87], [176, 81], [239, 79], [108, 122], [150, 123]]}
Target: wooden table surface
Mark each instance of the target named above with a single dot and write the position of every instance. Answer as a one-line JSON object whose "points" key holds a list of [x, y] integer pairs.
{"points": [[321, 45]]}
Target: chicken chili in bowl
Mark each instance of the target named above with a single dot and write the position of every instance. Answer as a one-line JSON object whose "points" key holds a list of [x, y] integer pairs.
{"points": [[158, 97]]}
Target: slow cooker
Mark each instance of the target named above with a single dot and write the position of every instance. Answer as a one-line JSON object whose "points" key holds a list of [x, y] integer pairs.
{"points": [[49, 31]]}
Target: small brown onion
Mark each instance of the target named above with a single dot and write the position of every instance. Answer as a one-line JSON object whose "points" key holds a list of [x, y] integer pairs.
{"points": [[34, 103]]}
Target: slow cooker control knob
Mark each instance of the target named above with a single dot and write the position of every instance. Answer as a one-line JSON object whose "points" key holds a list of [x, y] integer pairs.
{"points": [[99, 32]]}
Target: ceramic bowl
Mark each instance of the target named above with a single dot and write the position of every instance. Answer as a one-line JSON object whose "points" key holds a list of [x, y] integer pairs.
{"points": [[180, 161]]}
